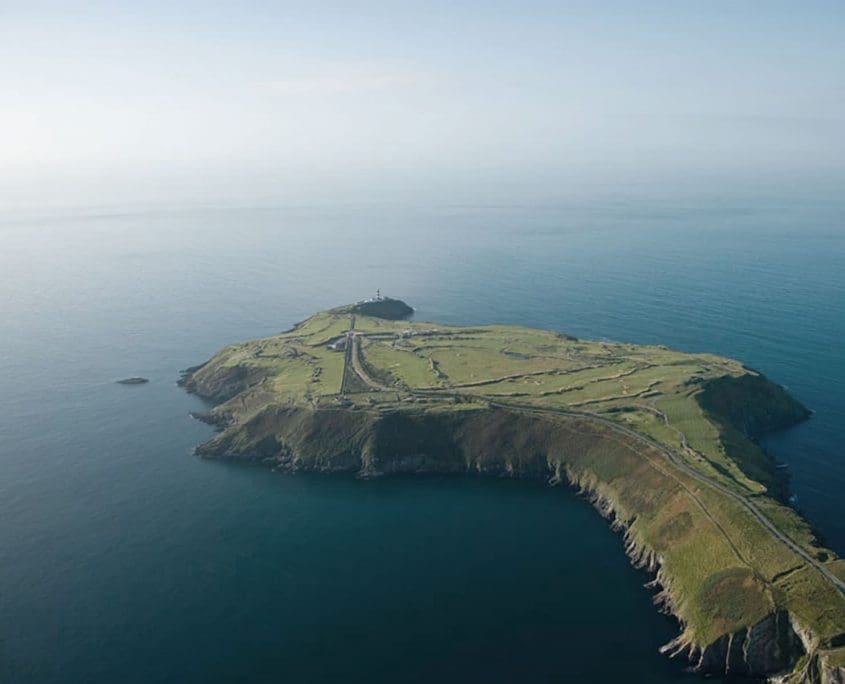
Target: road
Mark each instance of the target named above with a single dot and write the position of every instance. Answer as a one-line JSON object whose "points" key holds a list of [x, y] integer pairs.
{"points": [[353, 358]]}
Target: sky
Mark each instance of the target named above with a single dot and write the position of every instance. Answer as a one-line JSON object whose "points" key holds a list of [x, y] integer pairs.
{"points": [[263, 102]]}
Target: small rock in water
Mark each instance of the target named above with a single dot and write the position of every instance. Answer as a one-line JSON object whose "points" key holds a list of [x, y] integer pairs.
{"points": [[133, 381]]}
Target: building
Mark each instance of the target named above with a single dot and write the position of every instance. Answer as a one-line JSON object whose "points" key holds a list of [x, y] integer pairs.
{"points": [[339, 344]]}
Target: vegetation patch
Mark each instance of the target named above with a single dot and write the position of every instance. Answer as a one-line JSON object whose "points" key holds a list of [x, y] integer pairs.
{"points": [[733, 598]]}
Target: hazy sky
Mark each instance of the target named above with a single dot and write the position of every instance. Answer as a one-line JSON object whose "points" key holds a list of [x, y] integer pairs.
{"points": [[299, 100]]}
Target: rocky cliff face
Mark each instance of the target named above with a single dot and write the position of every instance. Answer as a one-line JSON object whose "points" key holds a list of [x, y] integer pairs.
{"points": [[830, 674], [769, 646], [765, 649]]}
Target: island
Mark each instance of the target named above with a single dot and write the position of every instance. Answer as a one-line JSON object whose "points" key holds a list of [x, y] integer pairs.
{"points": [[133, 381], [664, 444]]}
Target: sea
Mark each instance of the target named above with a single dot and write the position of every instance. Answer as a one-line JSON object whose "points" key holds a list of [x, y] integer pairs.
{"points": [[125, 558]]}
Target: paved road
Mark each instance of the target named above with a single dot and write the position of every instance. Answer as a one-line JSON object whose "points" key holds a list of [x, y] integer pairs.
{"points": [[353, 355], [358, 367], [347, 356]]}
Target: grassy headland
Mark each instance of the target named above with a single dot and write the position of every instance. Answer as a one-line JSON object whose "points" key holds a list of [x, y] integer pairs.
{"points": [[662, 442]]}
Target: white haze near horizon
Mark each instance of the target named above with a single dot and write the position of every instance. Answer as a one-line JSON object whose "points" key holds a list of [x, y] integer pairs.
{"points": [[264, 102]]}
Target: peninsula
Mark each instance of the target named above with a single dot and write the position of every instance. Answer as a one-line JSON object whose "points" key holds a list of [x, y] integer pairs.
{"points": [[663, 443]]}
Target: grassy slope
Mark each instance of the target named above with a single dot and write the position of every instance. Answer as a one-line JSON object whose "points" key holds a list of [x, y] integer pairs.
{"points": [[727, 570]]}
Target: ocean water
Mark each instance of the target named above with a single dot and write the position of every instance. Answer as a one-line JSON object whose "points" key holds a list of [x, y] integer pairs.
{"points": [[124, 558]]}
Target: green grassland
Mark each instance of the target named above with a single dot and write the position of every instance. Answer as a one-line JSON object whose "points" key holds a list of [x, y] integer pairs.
{"points": [[727, 571]]}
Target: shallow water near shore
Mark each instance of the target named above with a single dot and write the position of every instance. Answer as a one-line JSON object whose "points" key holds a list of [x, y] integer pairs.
{"points": [[124, 558]]}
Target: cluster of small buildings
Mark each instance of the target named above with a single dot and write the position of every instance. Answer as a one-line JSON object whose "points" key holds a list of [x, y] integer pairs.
{"points": [[377, 298], [339, 344]]}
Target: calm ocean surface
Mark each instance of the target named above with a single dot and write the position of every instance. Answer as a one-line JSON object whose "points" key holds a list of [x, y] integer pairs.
{"points": [[125, 559]]}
